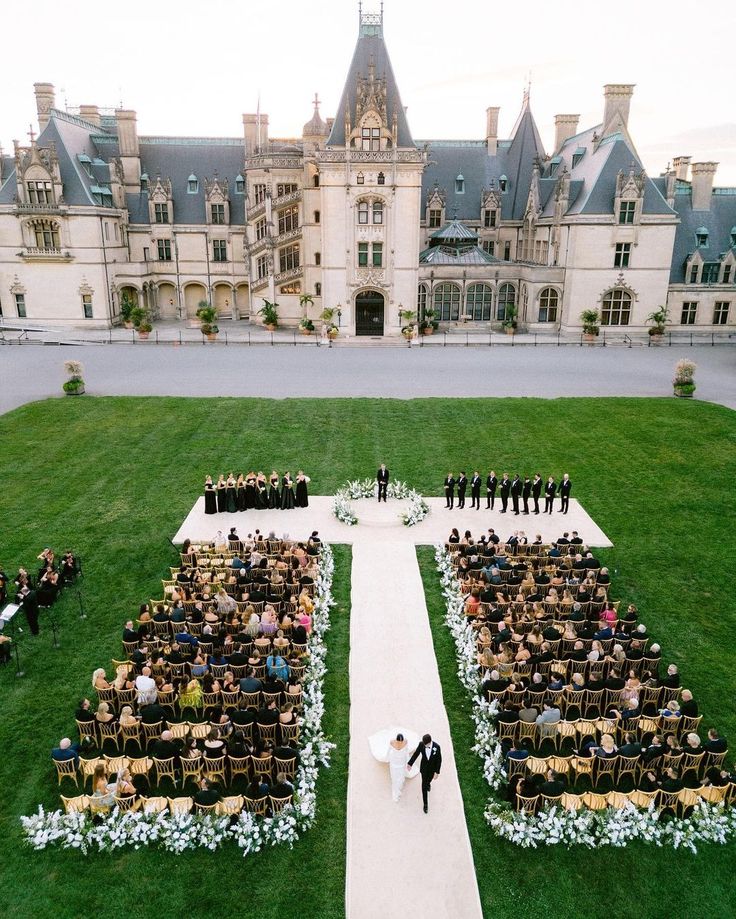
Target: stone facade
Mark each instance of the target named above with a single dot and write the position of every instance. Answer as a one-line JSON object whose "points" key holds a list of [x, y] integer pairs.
{"points": [[357, 216]]}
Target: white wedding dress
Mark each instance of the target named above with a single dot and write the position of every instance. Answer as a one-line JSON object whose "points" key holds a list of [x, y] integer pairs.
{"points": [[380, 747]]}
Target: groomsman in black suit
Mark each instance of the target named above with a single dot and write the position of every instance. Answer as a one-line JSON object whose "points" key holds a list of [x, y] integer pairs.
{"points": [[475, 490], [550, 490], [536, 491], [450, 491], [382, 477], [565, 489], [505, 492], [516, 487], [462, 485], [491, 485], [526, 493], [429, 766]]}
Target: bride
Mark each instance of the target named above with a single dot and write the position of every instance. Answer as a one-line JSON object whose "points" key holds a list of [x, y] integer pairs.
{"points": [[394, 746]]}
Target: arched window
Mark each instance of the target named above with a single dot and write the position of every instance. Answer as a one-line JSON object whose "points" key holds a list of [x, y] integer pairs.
{"points": [[506, 298], [447, 302], [616, 307], [478, 300], [381, 178], [378, 212], [421, 300], [363, 212], [548, 302]]}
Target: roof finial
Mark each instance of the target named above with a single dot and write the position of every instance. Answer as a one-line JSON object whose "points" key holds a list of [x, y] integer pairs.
{"points": [[527, 88], [454, 212], [31, 133], [316, 102]]}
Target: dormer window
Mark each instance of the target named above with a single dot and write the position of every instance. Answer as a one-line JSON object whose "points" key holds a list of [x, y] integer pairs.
{"points": [[733, 237], [144, 181], [381, 178], [370, 138], [627, 211], [40, 193], [239, 185], [192, 184], [460, 185], [577, 156], [701, 238], [503, 183]]}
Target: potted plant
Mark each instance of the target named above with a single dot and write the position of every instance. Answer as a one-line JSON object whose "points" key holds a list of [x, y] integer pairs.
{"points": [[659, 318], [141, 321], [683, 383], [306, 326], [591, 327], [270, 314], [509, 319], [428, 323], [74, 386], [207, 316], [332, 331], [127, 305], [144, 329], [408, 317], [328, 326]]}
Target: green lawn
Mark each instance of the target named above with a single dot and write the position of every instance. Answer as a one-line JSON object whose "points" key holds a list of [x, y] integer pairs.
{"points": [[113, 478]]}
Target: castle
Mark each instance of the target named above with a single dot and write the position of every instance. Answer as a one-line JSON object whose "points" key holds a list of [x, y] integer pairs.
{"points": [[359, 216]]}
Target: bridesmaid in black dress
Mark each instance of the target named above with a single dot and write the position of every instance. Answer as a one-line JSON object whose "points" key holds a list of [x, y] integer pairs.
{"points": [[274, 496], [261, 492], [221, 495], [250, 491], [232, 494], [210, 498], [287, 493], [302, 498], [240, 492]]}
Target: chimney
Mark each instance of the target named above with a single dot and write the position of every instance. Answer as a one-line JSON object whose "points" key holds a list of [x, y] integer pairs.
{"points": [[565, 126], [251, 131], [617, 98], [492, 129], [702, 185], [680, 165], [90, 113], [45, 100], [129, 149]]}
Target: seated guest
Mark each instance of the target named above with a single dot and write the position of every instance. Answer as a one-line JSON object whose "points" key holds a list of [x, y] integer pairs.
{"points": [[214, 746], [66, 751], [715, 743], [99, 679], [129, 633], [84, 712], [672, 680], [671, 781], [153, 713], [250, 683], [282, 787], [631, 746], [547, 720], [257, 788], [692, 743], [146, 686], [516, 753], [671, 711], [647, 782], [554, 785], [653, 751], [207, 794], [688, 705], [103, 714], [607, 748], [103, 791], [165, 747]]}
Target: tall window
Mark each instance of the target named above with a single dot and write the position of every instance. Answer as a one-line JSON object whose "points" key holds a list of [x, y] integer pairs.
{"points": [[363, 212], [289, 257], [219, 250], [726, 274], [377, 255], [87, 306], [507, 251], [622, 255], [288, 219], [720, 313], [421, 300], [689, 312], [218, 213], [315, 180], [40, 193], [548, 302], [317, 258], [259, 192], [317, 216], [262, 267], [447, 302], [378, 212], [616, 307], [20, 305], [506, 298], [694, 274], [46, 234], [478, 300], [370, 138], [710, 273], [161, 212], [381, 179], [362, 255], [285, 188], [261, 228], [489, 217], [435, 217], [164, 250], [460, 185], [489, 246], [317, 289], [627, 211]]}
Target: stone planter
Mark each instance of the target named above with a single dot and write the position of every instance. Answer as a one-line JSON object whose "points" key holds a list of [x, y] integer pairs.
{"points": [[143, 335], [128, 325], [509, 329], [428, 331], [270, 327], [656, 339], [590, 338], [212, 336], [305, 331]]}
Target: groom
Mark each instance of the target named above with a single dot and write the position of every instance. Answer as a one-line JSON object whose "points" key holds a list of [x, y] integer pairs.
{"points": [[429, 766], [382, 476]]}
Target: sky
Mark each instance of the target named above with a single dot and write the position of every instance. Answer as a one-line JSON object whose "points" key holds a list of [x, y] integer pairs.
{"points": [[193, 68]]}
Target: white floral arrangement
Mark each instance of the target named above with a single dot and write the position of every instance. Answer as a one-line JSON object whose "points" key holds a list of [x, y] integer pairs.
{"points": [[184, 832], [358, 489], [555, 825]]}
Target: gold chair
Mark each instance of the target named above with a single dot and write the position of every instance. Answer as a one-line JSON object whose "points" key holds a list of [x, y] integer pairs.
{"points": [[190, 769], [199, 729], [641, 798], [214, 767], [180, 805], [139, 765], [76, 805], [256, 805], [262, 765], [572, 802], [287, 766], [87, 730], [278, 804], [131, 733], [566, 730], [151, 731], [713, 794], [251, 699], [109, 730], [239, 765], [66, 768], [552, 800], [595, 802], [604, 767], [87, 768], [179, 729], [165, 768], [231, 805], [627, 765], [289, 733], [153, 805], [527, 805], [267, 731], [207, 808], [127, 803], [618, 799], [687, 797], [505, 730], [583, 765]]}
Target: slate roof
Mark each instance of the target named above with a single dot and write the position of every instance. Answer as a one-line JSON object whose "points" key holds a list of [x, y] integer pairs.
{"points": [[370, 46], [454, 230], [718, 221], [452, 255]]}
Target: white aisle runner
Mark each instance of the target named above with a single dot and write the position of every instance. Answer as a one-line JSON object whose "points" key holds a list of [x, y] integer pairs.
{"points": [[400, 860]]}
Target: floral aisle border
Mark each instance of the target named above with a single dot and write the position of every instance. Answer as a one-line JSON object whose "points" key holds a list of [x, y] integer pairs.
{"points": [[368, 488], [182, 832], [555, 826]]}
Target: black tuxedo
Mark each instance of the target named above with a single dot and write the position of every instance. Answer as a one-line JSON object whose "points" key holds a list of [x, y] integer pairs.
{"points": [[550, 490], [449, 492], [382, 477], [516, 488], [462, 484], [475, 492], [536, 492], [429, 767], [526, 493], [491, 485], [565, 489], [505, 491]]}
